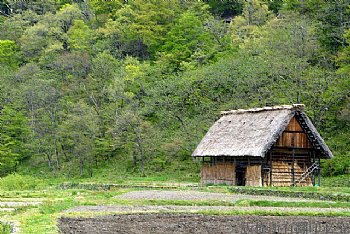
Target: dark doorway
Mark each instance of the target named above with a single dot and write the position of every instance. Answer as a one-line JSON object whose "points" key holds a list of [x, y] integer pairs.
{"points": [[240, 176]]}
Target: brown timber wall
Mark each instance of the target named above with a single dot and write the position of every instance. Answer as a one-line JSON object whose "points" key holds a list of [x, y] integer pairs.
{"points": [[220, 173], [284, 161], [253, 176], [294, 136], [282, 173]]}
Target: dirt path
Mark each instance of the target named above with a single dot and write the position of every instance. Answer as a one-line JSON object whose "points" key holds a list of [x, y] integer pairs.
{"points": [[178, 223], [196, 195], [169, 208]]}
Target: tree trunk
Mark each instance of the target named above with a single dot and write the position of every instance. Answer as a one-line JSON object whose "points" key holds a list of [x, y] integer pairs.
{"points": [[56, 153], [90, 167], [142, 157], [64, 153], [81, 163], [49, 159], [134, 153]]}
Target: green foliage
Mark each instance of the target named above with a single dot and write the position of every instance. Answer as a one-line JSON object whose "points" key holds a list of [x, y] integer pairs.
{"points": [[77, 133], [9, 53], [344, 57], [38, 6], [54, 207], [19, 182], [337, 181], [188, 43], [13, 133], [133, 85], [245, 26], [308, 192], [105, 7], [79, 36], [337, 166], [5, 228], [225, 8]]}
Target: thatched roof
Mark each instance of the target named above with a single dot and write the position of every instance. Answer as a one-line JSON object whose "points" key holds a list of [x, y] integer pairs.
{"points": [[252, 132]]}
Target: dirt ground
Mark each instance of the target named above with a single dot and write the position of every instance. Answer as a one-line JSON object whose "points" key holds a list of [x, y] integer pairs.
{"points": [[189, 209], [197, 195], [194, 223]]}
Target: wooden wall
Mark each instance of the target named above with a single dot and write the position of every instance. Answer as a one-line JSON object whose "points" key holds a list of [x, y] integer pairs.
{"points": [[291, 153], [282, 173], [220, 173], [294, 136], [289, 158], [253, 176]]}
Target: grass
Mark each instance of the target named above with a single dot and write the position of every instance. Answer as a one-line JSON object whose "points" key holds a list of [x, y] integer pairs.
{"points": [[321, 189], [310, 204], [43, 218], [321, 193], [275, 213], [337, 181], [5, 228]]}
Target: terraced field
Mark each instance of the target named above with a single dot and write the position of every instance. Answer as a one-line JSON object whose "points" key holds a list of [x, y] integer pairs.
{"points": [[202, 224], [163, 209]]}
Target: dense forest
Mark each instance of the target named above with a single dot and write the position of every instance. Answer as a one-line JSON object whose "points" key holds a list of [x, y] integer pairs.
{"points": [[136, 83]]}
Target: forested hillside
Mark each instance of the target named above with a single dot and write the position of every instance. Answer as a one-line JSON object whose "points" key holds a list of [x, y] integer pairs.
{"points": [[131, 86]]}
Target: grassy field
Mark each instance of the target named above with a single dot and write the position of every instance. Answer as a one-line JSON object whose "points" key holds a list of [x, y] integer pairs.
{"points": [[42, 218]]}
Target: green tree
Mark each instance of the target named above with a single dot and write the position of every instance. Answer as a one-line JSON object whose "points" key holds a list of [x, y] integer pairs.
{"points": [[13, 27], [78, 134], [225, 8], [9, 53], [343, 58], [50, 31], [38, 6], [13, 137], [188, 42], [139, 27], [255, 14], [104, 9], [80, 36]]}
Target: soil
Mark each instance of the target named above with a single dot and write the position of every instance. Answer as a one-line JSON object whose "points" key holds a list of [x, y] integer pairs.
{"points": [[189, 209], [196, 195], [193, 223]]}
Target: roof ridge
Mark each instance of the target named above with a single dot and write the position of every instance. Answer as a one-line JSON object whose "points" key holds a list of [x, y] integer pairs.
{"points": [[266, 108]]}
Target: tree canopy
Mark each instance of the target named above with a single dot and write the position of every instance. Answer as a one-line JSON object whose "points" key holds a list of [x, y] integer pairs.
{"points": [[138, 83]]}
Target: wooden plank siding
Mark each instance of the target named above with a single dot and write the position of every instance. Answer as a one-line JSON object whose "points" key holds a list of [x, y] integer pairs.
{"points": [[253, 176], [291, 152], [220, 173], [294, 136], [283, 165]]}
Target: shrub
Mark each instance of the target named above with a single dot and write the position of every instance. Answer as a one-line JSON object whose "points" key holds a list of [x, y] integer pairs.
{"points": [[19, 182], [337, 166], [5, 228]]}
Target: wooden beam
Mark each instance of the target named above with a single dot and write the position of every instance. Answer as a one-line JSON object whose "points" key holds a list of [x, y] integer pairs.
{"points": [[319, 172], [270, 168], [290, 131], [293, 174]]}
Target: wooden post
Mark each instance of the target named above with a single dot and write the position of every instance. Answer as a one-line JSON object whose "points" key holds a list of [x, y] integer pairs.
{"points": [[262, 172], [270, 168], [293, 174], [313, 174], [319, 172], [203, 162]]}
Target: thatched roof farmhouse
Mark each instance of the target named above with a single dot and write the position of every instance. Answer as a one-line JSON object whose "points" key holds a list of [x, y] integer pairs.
{"points": [[277, 146]]}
